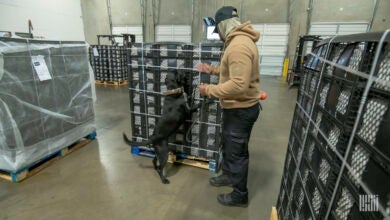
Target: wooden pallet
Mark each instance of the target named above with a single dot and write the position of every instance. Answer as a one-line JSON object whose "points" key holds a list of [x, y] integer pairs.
{"points": [[190, 160], [41, 164], [108, 83]]}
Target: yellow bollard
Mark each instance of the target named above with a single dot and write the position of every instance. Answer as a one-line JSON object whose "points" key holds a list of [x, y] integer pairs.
{"points": [[285, 67], [274, 214]]}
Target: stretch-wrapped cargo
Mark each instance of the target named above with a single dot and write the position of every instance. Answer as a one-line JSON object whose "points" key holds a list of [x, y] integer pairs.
{"points": [[46, 99]]}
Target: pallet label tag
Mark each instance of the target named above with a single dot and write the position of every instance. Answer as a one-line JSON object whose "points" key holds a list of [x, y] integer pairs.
{"points": [[95, 52], [40, 67]]}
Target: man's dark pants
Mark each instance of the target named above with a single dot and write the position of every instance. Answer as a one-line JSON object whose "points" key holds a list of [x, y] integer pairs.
{"points": [[237, 127]]}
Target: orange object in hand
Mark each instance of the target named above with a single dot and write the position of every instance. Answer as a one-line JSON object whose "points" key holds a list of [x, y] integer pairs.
{"points": [[263, 95]]}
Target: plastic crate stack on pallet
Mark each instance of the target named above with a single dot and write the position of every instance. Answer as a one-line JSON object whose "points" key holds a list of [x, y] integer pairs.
{"points": [[109, 63], [149, 64], [338, 159]]}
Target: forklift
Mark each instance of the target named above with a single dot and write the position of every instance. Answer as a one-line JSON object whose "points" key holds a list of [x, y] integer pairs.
{"points": [[127, 39], [294, 74]]}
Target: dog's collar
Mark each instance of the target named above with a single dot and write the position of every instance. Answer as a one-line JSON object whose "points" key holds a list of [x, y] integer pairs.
{"points": [[178, 91], [174, 91]]}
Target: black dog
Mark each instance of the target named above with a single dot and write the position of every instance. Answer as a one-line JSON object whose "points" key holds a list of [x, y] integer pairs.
{"points": [[175, 111]]}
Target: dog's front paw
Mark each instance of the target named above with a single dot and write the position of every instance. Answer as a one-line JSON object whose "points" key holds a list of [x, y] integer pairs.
{"points": [[165, 181]]}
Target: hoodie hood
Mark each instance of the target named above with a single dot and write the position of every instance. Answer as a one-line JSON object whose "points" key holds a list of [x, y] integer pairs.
{"points": [[227, 25], [245, 29]]}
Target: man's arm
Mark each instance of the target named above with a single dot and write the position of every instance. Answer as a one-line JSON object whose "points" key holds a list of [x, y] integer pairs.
{"points": [[214, 70], [240, 68], [207, 68]]}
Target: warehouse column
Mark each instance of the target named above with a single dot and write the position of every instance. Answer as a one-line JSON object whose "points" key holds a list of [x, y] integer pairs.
{"points": [[298, 18]]}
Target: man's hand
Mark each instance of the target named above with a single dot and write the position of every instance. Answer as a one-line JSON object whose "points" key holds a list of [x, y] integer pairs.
{"points": [[202, 89], [204, 67]]}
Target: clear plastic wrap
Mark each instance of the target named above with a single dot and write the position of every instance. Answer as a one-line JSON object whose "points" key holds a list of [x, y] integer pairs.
{"points": [[39, 117]]}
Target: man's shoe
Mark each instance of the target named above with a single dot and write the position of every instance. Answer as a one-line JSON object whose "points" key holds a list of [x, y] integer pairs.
{"points": [[229, 200], [221, 180]]}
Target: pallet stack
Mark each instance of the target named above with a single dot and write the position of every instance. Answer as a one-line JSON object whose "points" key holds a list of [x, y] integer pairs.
{"points": [[149, 64], [338, 159], [46, 100], [109, 63]]}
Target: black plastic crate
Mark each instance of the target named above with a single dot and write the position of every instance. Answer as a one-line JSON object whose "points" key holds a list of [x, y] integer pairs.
{"points": [[383, 69], [366, 165], [135, 50], [151, 82], [295, 145], [210, 137], [330, 135], [317, 198], [306, 102], [335, 52], [137, 101], [153, 103], [346, 205], [289, 172], [170, 50], [210, 50], [323, 92], [322, 165], [136, 80], [188, 50], [311, 82], [300, 207], [299, 126], [138, 126], [283, 194], [135, 63], [151, 124], [283, 209], [351, 57], [304, 79], [342, 102], [368, 57], [172, 64], [374, 125]]}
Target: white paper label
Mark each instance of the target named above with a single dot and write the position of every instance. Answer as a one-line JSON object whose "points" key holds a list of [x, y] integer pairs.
{"points": [[95, 52], [41, 67]]}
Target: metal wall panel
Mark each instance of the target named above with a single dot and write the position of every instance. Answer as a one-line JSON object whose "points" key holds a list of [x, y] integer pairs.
{"points": [[272, 47], [181, 33], [136, 30], [331, 29]]}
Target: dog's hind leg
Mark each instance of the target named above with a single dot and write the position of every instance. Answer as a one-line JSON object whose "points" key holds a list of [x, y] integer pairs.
{"points": [[155, 162], [162, 160]]}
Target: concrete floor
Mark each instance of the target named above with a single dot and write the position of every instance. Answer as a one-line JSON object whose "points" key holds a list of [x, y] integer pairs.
{"points": [[104, 181]]}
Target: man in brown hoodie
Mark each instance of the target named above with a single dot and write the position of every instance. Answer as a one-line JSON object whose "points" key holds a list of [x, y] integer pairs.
{"points": [[238, 91]]}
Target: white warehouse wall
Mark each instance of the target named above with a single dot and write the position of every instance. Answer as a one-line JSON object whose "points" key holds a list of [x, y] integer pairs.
{"points": [[51, 19]]}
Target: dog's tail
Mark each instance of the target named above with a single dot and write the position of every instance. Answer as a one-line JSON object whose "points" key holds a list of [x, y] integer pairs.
{"points": [[132, 143]]}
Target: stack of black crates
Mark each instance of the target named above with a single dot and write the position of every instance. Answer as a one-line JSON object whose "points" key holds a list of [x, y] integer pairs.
{"points": [[109, 63], [148, 65], [337, 164]]}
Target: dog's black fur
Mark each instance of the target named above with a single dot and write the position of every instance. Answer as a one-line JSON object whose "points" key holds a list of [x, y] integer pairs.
{"points": [[175, 111]]}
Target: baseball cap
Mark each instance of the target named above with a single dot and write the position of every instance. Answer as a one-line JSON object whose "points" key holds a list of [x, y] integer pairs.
{"points": [[224, 13]]}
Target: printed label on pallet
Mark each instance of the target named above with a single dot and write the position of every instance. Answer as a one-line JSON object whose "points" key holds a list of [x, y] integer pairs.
{"points": [[41, 67]]}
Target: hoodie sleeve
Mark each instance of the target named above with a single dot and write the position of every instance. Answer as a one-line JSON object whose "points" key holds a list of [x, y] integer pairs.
{"points": [[240, 64], [214, 70]]}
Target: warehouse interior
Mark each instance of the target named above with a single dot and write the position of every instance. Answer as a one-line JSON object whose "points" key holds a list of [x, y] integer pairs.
{"points": [[81, 168]]}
